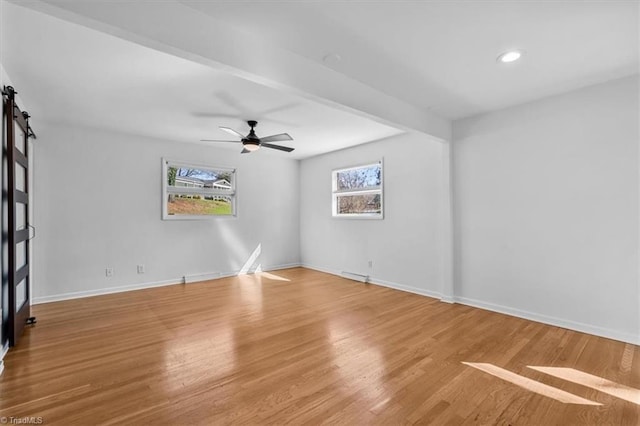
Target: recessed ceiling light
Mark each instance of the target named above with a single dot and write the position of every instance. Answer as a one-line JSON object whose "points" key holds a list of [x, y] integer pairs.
{"points": [[510, 56]]}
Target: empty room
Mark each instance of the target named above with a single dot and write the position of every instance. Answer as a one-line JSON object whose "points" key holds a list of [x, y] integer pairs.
{"points": [[320, 212]]}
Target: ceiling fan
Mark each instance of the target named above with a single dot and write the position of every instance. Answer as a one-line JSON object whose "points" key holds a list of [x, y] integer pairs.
{"points": [[252, 142]]}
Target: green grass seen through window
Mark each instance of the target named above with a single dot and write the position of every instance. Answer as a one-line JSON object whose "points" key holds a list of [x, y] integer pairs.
{"points": [[198, 207]]}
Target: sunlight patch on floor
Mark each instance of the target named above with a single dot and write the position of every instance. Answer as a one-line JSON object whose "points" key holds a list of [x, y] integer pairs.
{"points": [[271, 276], [594, 382], [531, 385]]}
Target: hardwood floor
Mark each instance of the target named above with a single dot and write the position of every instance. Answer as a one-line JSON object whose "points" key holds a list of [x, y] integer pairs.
{"points": [[301, 346]]}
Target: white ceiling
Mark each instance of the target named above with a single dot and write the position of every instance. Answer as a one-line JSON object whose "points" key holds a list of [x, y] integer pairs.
{"points": [[439, 57], [72, 74]]}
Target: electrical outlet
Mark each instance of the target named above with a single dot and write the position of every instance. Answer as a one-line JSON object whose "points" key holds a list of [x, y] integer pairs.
{"points": [[108, 272], [141, 269], [371, 264]]}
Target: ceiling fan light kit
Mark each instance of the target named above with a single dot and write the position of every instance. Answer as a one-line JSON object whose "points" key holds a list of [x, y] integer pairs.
{"points": [[250, 146], [252, 142]]}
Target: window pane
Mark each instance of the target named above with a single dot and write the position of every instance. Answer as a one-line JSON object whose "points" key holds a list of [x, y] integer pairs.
{"points": [[20, 139], [21, 254], [21, 293], [199, 205], [199, 178], [359, 178], [21, 178], [21, 216], [355, 204]]}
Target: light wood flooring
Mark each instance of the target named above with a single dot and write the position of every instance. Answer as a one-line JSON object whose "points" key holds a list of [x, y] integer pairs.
{"points": [[303, 347]]}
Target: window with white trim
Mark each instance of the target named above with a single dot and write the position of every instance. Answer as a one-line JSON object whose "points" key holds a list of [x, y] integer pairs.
{"points": [[197, 192], [357, 192]]}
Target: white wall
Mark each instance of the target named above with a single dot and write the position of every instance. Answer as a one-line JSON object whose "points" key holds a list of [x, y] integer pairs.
{"points": [[405, 246], [546, 210], [98, 204]]}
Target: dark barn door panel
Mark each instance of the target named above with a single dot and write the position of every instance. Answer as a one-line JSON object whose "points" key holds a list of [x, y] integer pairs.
{"points": [[17, 135]]}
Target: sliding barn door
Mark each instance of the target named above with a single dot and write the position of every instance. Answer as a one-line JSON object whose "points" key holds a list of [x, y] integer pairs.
{"points": [[17, 134]]}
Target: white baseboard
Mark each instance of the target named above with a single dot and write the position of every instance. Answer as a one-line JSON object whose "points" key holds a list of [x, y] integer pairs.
{"points": [[363, 278], [380, 282], [103, 291], [407, 288], [448, 299], [554, 321], [141, 286], [284, 266], [187, 279], [319, 269], [532, 316]]}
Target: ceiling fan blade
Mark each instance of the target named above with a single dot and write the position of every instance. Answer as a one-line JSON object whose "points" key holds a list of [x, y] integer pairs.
{"points": [[244, 151], [280, 108], [215, 140], [233, 132], [277, 138], [281, 148]]}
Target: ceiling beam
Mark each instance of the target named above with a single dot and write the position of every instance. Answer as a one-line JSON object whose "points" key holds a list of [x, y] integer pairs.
{"points": [[176, 29]]}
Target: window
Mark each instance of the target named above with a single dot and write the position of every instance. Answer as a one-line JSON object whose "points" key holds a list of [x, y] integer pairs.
{"points": [[197, 192], [357, 192]]}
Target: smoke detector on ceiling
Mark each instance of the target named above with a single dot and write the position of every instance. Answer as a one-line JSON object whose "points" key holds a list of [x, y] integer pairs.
{"points": [[331, 58]]}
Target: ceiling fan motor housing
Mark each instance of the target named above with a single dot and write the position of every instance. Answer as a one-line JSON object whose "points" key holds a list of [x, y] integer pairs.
{"points": [[251, 141]]}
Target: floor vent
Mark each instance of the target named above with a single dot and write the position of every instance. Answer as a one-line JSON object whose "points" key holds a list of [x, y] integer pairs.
{"points": [[355, 277], [200, 277]]}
